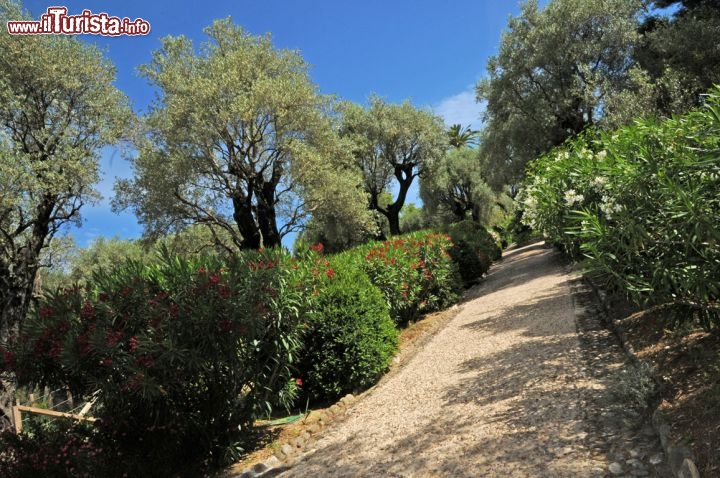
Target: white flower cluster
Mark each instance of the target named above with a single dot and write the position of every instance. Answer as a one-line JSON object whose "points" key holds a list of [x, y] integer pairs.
{"points": [[526, 197], [608, 206], [572, 197]]}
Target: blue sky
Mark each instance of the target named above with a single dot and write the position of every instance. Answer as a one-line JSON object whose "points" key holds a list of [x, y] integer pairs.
{"points": [[429, 52]]}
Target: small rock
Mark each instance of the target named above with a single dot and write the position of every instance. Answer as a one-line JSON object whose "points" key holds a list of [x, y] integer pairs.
{"points": [[286, 449], [260, 468], [314, 428], [634, 453], [314, 417], [634, 462], [656, 459], [615, 468], [272, 462], [247, 474]]}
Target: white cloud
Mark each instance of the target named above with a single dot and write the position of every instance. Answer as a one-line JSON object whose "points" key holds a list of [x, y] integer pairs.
{"points": [[461, 109]]}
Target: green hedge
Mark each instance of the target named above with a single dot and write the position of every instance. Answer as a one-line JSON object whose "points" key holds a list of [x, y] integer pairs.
{"points": [[473, 250], [640, 205], [350, 339]]}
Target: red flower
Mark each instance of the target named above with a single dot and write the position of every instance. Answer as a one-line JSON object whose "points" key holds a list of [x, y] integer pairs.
{"points": [[46, 311], [133, 343], [319, 248], [9, 358], [299, 382], [214, 279], [224, 291], [82, 344], [103, 297], [126, 291], [145, 361], [201, 270], [330, 273], [174, 310], [113, 338], [107, 361], [88, 311]]}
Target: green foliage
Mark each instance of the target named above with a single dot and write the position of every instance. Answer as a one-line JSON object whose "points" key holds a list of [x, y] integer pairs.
{"points": [[555, 69], [185, 353], [412, 218], [58, 108], [392, 141], [455, 187], [675, 56], [414, 272], [350, 339], [240, 141], [57, 448], [459, 137], [640, 204], [473, 250]]}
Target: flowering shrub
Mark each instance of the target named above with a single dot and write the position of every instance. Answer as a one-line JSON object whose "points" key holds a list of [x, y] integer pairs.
{"points": [[414, 272], [349, 339], [66, 450], [185, 353], [473, 250], [640, 204]]}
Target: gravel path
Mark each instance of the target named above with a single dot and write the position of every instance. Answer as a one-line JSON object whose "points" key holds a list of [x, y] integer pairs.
{"points": [[515, 385]]}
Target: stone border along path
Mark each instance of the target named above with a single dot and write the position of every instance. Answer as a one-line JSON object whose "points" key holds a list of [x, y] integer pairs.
{"points": [[523, 382]]}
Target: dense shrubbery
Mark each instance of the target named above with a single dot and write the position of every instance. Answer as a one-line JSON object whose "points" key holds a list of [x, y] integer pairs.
{"points": [[473, 250], [62, 449], [185, 354], [350, 339], [414, 272], [641, 205]]}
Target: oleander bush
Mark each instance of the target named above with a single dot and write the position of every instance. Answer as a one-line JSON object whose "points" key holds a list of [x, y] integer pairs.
{"points": [[48, 447], [414, 272], [473, 250], [350, 339], [185, 354], [640, 205]]}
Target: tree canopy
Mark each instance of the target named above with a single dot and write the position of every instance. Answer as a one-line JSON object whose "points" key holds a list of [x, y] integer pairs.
{"points": [[392, 141], [58, 107], [239, 140], [553, 73]]}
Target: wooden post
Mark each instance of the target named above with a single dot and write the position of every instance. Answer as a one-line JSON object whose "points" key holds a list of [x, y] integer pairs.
{"points": [[17, 417]]}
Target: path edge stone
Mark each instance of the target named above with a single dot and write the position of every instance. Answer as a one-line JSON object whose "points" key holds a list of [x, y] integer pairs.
{"points": [[287, 453], [679, 456]]}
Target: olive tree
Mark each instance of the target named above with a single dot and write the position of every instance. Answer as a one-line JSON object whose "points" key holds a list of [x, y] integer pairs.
{"points": [[392, 141], [239, 140], [58, 108]]}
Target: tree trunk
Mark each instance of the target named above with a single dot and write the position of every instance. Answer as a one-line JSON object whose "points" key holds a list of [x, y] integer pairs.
{"points": [[405, 178], [242, 213], [393, 217], [267, 217], [17, 298]]}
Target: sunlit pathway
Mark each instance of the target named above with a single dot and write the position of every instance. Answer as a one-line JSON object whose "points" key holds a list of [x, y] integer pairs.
{"points": [[505, 389]]}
